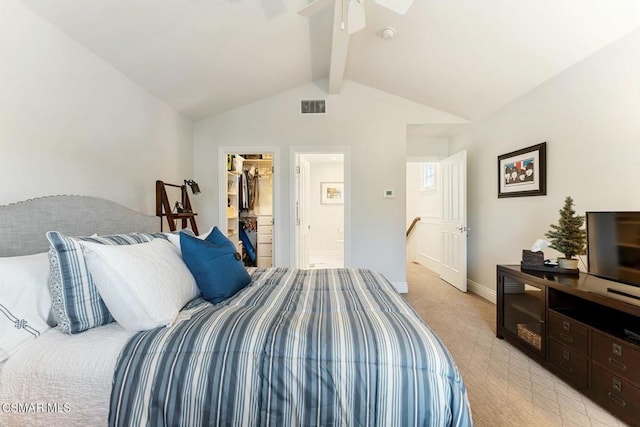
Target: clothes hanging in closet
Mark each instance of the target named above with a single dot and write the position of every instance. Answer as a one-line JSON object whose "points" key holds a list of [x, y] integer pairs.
{"points": [[249, 223], [253, 187], [243, 197]]}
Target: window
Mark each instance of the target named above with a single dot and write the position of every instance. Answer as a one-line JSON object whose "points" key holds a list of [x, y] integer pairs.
{"points": [[428, 177]]}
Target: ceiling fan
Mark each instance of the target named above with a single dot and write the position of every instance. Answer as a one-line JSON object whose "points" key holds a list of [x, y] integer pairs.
{"points": [[355, 10]]}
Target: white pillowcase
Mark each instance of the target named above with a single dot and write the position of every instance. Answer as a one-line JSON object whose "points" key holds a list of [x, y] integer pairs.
{"points": [[144, 286], [25, 301], [174, 237], [204, 236]]}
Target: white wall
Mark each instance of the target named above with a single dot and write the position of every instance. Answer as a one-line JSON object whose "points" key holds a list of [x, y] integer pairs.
{"points": [[422, 203], [588, 115], [424, 243], [370, 122], [427, 148], [72, 124], [325, 219]]}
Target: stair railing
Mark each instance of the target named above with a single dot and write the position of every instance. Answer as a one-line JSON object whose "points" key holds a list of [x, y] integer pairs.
{"points": [[413, 225]]}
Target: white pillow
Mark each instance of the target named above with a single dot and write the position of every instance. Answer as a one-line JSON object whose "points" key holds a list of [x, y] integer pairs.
{"points": [[204, 236], [25, 301], [174, 236], [144, 286]]}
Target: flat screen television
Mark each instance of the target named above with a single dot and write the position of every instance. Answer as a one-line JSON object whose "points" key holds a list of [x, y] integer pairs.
{"points": [[613, 246]]}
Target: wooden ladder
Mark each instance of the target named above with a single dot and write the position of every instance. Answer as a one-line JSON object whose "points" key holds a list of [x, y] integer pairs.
{"points": [[164, 208]]}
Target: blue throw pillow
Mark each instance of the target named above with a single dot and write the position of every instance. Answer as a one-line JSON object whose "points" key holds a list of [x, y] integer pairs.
{"points": [[216, 237], [215, 264]]}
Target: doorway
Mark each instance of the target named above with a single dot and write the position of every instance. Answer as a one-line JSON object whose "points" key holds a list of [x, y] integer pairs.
{"points": [[247, 204], [438, 199], [320, 206]]}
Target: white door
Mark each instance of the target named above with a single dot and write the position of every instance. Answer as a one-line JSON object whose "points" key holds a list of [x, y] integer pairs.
{"points": [[454, 220], [303, 223]]}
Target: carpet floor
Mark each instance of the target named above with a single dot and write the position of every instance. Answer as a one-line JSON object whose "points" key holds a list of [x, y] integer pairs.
{"points": [[505, 387]]}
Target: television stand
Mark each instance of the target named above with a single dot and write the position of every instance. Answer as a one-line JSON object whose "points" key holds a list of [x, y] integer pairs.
{"points": [[626, 294], [579, 327]]}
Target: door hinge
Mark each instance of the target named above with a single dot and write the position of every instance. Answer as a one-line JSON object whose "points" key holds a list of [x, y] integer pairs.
{"points": [[298, 170]]}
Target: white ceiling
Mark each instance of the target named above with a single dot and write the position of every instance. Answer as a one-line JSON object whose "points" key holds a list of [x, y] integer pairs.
{"points": [[465, 57]]}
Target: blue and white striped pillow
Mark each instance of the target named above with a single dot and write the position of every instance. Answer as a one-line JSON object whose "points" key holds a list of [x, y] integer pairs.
{"points": [[76, 302]]}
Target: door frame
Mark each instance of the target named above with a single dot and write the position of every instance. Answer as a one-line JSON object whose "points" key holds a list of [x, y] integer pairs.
{"points": [[278, 237], [294, 152], [303, 204]]}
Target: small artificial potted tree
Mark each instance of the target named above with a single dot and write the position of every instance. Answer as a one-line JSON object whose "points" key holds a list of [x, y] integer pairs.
{"points": [[568, 237]]}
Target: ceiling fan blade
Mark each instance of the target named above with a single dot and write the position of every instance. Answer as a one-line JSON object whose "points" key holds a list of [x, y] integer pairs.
{"points": [[398, 6], [355, 16], [314, 7]]}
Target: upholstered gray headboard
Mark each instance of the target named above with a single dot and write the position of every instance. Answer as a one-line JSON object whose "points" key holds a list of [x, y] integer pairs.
{"points": [[23, 225]]}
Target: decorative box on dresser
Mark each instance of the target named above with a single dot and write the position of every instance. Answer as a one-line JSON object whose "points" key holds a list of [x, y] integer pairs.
{"points": [[575, 327]]}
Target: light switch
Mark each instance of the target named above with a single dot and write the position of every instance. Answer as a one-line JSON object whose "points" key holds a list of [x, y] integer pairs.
{"points": [[389, 194]]}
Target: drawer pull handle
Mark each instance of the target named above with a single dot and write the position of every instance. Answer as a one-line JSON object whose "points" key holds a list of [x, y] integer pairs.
{"points": [[566, 366], [616, 384], [617, 364], [617, 349], [566, 337], [566, 325], [566, 355], [617, 399]]}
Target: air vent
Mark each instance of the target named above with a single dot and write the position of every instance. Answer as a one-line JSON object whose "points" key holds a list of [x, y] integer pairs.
{"points": [[313, 106]]}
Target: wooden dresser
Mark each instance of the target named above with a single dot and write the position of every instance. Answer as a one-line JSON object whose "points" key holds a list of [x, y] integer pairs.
{"points": [[575, 328]]}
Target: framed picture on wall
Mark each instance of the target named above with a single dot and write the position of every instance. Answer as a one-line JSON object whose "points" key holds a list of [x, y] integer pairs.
{"points": [[523, 172], [332, 193]]}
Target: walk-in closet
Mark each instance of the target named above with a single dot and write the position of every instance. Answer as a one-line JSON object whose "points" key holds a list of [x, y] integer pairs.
{"points": [[250, 207]]}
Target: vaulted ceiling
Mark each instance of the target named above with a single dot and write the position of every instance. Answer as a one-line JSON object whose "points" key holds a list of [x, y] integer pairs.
{"points": [[465, 57]]}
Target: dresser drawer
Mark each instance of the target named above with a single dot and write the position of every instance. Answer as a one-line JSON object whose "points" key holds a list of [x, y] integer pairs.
{"points": [[265, 220], [570, 364], [569, 332], [617, 356], [265, 230], [264, 238], [615, 394], [265, 261], [265, 249]]}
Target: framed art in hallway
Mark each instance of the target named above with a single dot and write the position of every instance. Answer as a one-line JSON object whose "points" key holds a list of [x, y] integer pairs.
{"points": [[523, 172], [332, 193]]}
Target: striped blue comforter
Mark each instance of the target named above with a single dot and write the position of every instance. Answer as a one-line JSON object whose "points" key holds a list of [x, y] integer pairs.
{"points": [[335, 347]]}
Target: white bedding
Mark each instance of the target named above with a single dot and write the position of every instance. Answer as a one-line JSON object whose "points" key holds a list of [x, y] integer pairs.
{"points": [[78, 370]]}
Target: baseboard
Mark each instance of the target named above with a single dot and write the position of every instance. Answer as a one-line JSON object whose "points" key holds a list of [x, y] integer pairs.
{"points": [[401, 287], [431, 263], [483, 291]]}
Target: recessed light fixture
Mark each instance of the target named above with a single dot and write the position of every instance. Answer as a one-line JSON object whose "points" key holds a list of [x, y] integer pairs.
{"points": [[388, 33]]}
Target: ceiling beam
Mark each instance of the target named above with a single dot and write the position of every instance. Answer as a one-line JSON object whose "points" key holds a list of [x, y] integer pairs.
{"points": [[339, 47]]}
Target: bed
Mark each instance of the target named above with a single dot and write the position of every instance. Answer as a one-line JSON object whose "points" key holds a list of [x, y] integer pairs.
{"points": [[288, 348]]}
